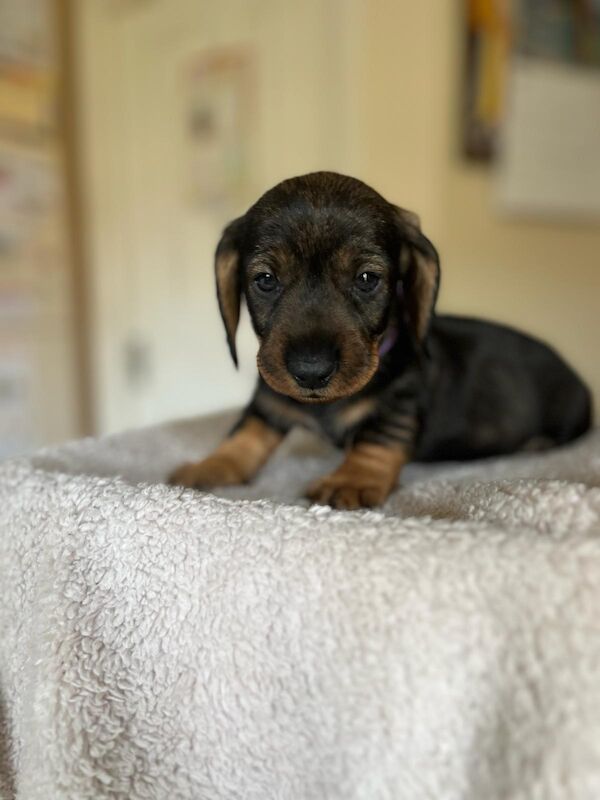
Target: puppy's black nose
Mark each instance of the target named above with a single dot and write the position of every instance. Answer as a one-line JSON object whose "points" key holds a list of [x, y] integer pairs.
{"points": [[312, 367]]}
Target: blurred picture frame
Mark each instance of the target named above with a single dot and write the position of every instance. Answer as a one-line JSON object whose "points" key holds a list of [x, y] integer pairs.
{"points": [[487, 44], [565, 31], [219, 98], [28, 80]]}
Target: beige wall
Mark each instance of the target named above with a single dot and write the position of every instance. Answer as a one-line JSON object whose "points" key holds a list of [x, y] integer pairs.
{"points": [[543, 276]]}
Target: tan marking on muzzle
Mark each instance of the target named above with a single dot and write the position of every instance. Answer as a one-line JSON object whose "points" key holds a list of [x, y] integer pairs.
{"points": [[339, 387]]}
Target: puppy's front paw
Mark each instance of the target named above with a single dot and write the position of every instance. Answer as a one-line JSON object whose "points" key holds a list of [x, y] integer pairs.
{"points": [[349, 491], [216, 470]]}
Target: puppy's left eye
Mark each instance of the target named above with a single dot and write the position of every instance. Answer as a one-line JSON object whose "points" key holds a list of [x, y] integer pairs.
{"points": [[367, 281], [266, 281]]}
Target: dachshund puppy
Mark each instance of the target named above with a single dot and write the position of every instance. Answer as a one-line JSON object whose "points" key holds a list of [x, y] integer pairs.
{"points": [[341, 288]]}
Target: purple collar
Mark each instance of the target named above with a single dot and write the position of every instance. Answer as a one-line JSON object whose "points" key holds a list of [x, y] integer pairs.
{"points": [[391, 335], [389, 341]]}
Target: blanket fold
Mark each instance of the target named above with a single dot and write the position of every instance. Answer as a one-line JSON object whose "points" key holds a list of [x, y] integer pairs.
{"points": [[165, 643]]}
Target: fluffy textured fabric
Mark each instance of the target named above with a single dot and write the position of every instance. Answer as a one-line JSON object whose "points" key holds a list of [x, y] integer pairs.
{"points": [[162, 643]]}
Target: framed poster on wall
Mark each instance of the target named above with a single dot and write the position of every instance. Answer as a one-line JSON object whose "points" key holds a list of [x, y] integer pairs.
{"points": [[218, 97]]}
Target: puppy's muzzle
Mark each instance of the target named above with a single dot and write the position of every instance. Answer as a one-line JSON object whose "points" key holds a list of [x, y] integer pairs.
{"points": [[312, 366]]}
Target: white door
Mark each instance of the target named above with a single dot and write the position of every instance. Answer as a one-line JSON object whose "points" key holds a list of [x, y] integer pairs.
{"points": [[159, 347]]}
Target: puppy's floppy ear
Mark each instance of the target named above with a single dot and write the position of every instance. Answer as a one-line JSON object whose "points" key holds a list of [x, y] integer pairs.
{"points": [[228, 273], [420, 273]]}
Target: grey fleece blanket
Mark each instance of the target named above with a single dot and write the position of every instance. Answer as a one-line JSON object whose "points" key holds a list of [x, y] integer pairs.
{"points": [[162, 643]]}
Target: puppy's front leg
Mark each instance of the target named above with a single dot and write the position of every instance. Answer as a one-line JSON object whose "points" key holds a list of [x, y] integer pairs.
{"points": [[235, 461], [364, 479]]}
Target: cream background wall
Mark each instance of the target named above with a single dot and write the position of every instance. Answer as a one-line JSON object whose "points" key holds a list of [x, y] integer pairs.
{"points": [[369, 87]]}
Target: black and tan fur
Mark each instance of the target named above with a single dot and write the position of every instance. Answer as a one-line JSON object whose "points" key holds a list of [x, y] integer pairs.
{"points": [[341, 288]]}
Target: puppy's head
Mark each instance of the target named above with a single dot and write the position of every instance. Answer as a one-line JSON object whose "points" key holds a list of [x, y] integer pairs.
{"points": [[326, 265]]}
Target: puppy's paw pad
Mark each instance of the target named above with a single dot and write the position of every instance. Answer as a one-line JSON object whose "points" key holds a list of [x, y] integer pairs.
{"points": [[182, 476], [346, 497], [213, 471], [369, 498], [323, 490], [343, 493]]}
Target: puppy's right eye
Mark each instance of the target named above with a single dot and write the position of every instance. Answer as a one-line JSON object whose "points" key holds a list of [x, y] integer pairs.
{"points": [[367, 281], [266, 281]]}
